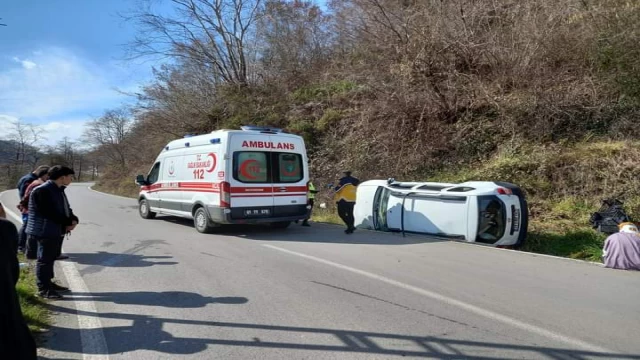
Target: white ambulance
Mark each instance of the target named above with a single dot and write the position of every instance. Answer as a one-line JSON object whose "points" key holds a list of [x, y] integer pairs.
{"points": [[248, 176]]}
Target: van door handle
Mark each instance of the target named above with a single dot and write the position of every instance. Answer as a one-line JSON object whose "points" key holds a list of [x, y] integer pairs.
{"points": [[283, 189]]}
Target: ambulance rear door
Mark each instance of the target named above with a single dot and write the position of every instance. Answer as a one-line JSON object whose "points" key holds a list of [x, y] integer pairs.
{"points": [[250, 174], [290, 176]]}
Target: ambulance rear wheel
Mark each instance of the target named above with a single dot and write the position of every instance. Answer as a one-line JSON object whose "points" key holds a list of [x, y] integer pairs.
{"points": [[145, 210], [281, 224], [202, 222]]}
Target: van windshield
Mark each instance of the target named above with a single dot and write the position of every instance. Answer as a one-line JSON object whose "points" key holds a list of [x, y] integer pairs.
{"points": [[267, 167], [492, 218]]}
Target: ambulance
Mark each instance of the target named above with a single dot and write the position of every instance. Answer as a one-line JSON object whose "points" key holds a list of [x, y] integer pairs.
{"points": [[484, 212], [247, 176]]}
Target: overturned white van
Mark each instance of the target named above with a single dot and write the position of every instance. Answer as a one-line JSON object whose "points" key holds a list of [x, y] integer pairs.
{"points": [[493, 213]]}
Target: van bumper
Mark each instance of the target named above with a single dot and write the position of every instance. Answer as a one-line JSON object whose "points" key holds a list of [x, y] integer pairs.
{"points": [[219, 216]]}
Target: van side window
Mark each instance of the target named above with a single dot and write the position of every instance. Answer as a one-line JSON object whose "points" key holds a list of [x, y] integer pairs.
{"points": [[153, 174], [251, 166], [289, 168]]}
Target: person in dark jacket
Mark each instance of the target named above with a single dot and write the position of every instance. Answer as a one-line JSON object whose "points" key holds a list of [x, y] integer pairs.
{"points": [[50, 219], [16, 341], [42, 173], [27, 179], [345, 197]]}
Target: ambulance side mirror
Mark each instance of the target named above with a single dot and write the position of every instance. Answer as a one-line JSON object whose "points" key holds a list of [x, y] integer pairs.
{"points": [[140, 180]]}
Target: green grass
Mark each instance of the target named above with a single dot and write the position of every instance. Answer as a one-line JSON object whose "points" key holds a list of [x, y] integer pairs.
{"points": [[583, 244], [33, 308], [325, 216]]}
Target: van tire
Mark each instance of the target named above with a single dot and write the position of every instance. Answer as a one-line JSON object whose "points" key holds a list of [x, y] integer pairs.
{"points": [[280, 224], [201, 221], [144, 210]]}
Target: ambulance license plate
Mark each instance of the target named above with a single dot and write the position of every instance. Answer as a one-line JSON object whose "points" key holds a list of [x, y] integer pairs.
{"points": [[257, 212]]}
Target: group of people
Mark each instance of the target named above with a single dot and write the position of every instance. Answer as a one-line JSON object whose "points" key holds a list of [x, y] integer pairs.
{"points": [[46, 219]]}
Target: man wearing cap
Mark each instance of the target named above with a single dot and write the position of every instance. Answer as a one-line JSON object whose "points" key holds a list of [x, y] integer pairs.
{"points": [[622, 249], [345, 198]]}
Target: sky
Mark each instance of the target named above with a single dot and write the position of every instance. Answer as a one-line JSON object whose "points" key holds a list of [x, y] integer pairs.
{"points": [[62, 61]]}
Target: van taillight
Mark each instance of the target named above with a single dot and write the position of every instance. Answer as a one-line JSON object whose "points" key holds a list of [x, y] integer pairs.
{"points": [[504, 191], [225, 195]]}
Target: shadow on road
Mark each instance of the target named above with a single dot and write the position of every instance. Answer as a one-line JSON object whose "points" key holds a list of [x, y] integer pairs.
{"points": [[318, 233], [100, 260], [146, 333], [171, 299]]}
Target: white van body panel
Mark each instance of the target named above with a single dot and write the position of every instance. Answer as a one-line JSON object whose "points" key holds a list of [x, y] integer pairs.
{"points": [[443, 209]]}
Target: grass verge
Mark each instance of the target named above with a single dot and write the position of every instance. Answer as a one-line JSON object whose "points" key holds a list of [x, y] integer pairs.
{"points": [[33, 308]]}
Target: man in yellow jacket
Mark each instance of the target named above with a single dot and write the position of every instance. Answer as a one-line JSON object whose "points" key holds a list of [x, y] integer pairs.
{"points": [[345, 198]]}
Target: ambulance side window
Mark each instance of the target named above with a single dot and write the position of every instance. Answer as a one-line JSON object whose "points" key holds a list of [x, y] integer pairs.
{"points": [[153, 174], [289, 168], [251, 167]]}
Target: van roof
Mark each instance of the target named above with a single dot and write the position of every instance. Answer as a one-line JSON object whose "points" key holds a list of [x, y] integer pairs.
{"points": [[464, 188], [215, 137]]}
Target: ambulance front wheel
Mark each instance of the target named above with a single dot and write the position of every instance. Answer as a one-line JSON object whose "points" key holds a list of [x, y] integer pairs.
{"points": [[145, 210], [202, 222]]}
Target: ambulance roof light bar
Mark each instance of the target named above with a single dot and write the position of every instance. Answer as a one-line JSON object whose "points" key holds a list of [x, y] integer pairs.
{"points": [[261, 129]]}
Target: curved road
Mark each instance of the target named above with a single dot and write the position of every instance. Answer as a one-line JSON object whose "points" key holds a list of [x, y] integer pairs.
{"points": [[150, 289]]}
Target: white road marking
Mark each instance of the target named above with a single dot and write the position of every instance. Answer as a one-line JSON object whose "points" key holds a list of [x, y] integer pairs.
{"points": [[453, 302], [94, 344]]}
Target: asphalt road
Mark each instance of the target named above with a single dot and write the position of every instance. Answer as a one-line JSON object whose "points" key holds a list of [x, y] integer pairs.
{"points": [[152, 289]]}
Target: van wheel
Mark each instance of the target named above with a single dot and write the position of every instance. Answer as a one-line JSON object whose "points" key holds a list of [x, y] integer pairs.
{"points": [[202, 222], [145, 210], [281, 224]]}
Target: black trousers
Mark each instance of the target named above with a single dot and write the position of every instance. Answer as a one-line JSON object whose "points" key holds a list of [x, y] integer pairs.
{"points": [[31, 249], [22, 240], [310, 210], [345, 211], [48, 251]]}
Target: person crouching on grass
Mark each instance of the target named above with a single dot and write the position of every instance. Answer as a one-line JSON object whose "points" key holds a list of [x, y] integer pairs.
{"points": [[50, 219]]}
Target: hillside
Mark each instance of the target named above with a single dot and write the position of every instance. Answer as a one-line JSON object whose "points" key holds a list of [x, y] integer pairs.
{"points": [[7, 152], [544, 94]]}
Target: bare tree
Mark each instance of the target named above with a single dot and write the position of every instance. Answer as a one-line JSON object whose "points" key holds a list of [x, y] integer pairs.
{"points": [[109, 133], [213, 33], [26, 137], [295, 41]]}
